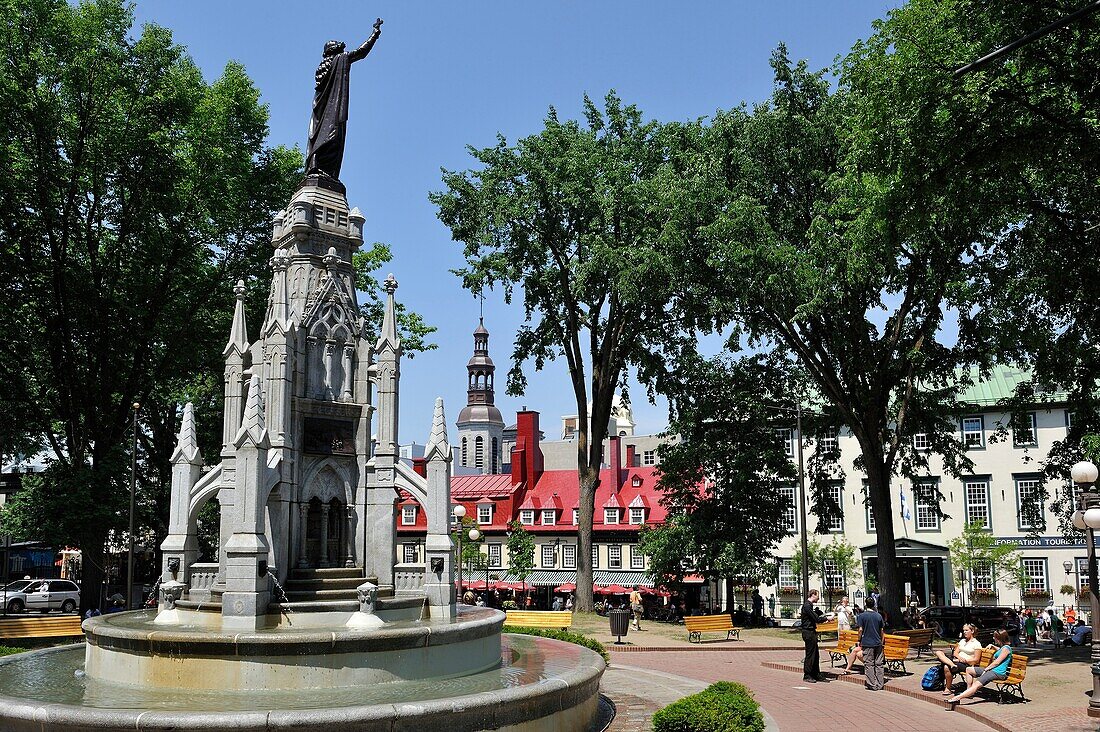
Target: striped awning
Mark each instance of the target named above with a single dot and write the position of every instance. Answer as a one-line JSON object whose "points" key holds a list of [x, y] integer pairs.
{"points": [[555, 577]]}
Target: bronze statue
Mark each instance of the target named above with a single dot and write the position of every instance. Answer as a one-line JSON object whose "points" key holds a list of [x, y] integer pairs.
{"points": [[328, 126]]}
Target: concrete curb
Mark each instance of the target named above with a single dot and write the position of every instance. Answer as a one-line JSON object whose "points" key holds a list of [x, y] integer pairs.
{"points": [[965, 710]]}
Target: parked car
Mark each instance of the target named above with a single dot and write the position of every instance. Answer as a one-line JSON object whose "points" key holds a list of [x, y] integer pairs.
{"points": [[949, 619], [40, 594]]}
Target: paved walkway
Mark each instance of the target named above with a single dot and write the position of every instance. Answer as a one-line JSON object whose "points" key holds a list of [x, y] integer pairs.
{"points": [[792, 705]]}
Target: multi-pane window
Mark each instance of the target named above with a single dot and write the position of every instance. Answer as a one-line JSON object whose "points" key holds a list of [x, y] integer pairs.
{"points": [[790, 515], [611, 515], [983, 576], [614, 556], [649, 457], [409, 553], [926, 502], [408, 515], [549, 556], [575, 512], [827, 442], [548, 516], [485, 513], [786, 574], [595, 556], [494, 555], [921, 441], [1036, 570], [637, 516], [835, 521], [1025, 434], [569, 556], [785, 437], [637, 559], [1082, 574], [1029, 506], [977, 502], [973, 432], [833, 579], [479, 452], [527, 516], [870, 514]]}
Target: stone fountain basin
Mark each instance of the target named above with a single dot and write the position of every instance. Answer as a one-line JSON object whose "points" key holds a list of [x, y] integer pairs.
{"points": [[539, 685], [308, 650]]}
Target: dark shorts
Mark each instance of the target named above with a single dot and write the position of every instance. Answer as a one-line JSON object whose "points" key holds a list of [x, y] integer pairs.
{"points": [[988, 676], [957, 668]]}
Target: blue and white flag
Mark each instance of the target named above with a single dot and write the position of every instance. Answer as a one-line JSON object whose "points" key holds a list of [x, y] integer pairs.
{"points": [[905, 514]]}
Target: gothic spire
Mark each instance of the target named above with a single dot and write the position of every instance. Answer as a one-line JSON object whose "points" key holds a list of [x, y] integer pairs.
{"points": [[253, 429], [187, 443], [437, 442], [238, 334], [389, 320]]}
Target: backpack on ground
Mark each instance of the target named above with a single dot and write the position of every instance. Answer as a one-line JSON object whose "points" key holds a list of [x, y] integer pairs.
{"points": [[932, 679]]}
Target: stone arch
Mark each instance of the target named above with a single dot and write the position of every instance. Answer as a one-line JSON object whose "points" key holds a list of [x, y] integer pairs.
{"points": [[337, 481]]}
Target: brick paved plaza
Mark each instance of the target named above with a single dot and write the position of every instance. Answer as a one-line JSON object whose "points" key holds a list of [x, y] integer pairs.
{"points": [[659, 666]]}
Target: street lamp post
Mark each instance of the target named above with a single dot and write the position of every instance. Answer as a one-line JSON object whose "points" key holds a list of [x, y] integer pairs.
{"points": [[458, 512], [133, 493], [1087, 518]]}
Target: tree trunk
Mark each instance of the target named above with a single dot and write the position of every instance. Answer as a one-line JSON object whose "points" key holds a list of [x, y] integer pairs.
{"points": [[92, 573], [878, 490], [589, 480]]}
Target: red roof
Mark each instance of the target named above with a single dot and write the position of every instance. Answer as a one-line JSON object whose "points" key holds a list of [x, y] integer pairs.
{"points": [[476, 486], [640, 501], [612, 501], [531, 503], [564, 484]]}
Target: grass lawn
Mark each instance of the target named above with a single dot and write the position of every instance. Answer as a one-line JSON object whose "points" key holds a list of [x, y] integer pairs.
{"points": [[8, 650]]}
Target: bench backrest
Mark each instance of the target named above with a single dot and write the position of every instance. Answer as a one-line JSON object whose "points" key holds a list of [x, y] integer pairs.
{"points": [[708, 622], [829, 626], [1016, 668], [55, 626], [539, 618], [895, 646], [847, 638]]}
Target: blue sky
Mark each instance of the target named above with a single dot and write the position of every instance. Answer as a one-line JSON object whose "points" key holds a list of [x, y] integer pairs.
{"points": [[447, 75]]}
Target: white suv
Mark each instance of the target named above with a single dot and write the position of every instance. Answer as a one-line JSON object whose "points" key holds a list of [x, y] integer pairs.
{"points": [[43, 595]]}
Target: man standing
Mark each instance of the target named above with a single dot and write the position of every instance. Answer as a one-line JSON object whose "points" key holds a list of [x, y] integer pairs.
{"points": [[811, 666], [870, 623]]}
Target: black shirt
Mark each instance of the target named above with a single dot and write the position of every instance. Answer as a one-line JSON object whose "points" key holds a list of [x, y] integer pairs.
{"points": [[809, 618]]}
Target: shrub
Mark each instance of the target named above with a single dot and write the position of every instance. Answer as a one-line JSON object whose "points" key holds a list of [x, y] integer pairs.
{"points": [[721, 707], [562, 635], [509, 605], [8, 650]]}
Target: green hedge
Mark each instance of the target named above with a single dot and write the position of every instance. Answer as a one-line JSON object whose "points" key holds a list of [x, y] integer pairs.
{"points": [[721, 707], [562, 635]]}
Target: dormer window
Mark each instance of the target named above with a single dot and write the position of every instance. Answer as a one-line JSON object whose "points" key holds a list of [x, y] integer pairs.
{"points": [[611, 515], [527, 517], [485, 513], [636, 481], [575, 512], [548, 517], [408, 515], [637, 516]]}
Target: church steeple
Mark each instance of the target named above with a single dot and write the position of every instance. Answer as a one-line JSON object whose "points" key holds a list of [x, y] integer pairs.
{"points": [[480, 426]]}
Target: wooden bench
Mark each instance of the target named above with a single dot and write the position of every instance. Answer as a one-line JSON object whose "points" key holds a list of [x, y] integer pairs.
{"points": [[845, 640], [50, 626], [920, 639], [829, 626], [699, 624], [1013, 684], [539, 618], [895, 648]]}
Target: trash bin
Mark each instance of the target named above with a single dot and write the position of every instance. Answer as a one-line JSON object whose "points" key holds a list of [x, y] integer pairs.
{"points": [[620, 623]]}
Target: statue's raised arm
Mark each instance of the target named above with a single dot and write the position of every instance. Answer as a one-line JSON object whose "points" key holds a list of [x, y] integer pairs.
{"points": [[328, 125]]}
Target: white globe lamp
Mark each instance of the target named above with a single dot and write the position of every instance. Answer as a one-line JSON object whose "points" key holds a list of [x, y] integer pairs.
{"points": [[459, 511], [1079, 520], [474, 534], [1083, 472], [1092, 518]]}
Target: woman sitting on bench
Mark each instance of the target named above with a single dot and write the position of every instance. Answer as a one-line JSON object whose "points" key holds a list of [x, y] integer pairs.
{"points": [[997, 670], [966, 652]]}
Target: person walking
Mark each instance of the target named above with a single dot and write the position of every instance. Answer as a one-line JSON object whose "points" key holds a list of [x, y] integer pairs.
{"points": [[636, 607], [1056, 628], [870, 624], [811, 664], [1031, 628]]}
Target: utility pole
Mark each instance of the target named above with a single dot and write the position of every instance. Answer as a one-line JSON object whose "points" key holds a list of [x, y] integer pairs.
{"points": [[802, 505]]}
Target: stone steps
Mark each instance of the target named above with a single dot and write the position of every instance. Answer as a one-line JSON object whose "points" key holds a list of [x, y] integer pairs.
{"points": [[326, 573], [310, 589], [316, 585]]}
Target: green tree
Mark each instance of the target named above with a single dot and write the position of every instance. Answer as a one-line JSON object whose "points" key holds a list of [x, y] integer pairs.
{"points": [[132, 195], [585, 220], [977, 551], [720, 480], [835, 559], [521, 551]]}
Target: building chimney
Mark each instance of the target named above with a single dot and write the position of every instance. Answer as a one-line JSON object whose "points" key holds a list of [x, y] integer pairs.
{"points": [[616, 461], [527, 436], [420, 466], [630, 456]]}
